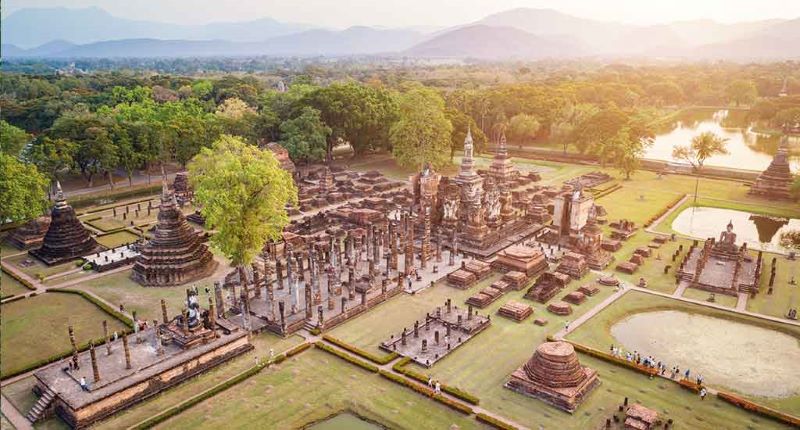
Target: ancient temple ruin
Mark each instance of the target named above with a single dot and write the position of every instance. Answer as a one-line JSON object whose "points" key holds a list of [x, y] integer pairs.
{"points": [[66, 238], [776, 181], [721, 266], [176, 253], [555, 376], [31, 234]]}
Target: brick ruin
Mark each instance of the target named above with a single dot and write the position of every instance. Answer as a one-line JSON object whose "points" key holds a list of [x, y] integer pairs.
{"points": [[31, 234], [555, 376], [66, 238], [176, 253], [122, 372], [721, 266], [444, 330], [776, 181]]}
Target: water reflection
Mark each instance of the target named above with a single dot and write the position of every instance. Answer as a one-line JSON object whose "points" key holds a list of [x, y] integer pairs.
{"points": [[760, 232], [748, 149]]}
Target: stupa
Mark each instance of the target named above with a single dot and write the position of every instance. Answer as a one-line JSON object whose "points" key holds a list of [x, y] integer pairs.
{"points": [[555, 376], [66, 238], [176, 254], [521, 258], [776, 181], [502, 169], [31, 234]]}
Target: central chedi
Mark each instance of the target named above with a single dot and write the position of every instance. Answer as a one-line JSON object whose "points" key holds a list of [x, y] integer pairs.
{"points": [[176, 254], [555, 376], [66, 238]]}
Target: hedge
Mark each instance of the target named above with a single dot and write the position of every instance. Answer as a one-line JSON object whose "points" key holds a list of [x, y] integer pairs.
{"points": [[360, 352], [494, 422], [15, 298], [346, 357], [453, 391], [24, 283], [607, 191], [615, 360], [100, 304], [663, 211], [759, 409], [175, 410], [464, 409]]}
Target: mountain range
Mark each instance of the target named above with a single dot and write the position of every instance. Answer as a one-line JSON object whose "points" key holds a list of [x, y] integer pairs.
{"points": [[524, 34]]}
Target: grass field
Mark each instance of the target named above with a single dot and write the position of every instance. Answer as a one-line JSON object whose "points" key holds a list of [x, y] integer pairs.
{"points": [[719, 299], [36, 268], [116, 239], [36, 328], [10, 286], [310, 387], [597, 331], [784, 295]]}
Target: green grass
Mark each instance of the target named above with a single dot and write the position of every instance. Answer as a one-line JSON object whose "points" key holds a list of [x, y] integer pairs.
{"points": [[313, 386], [596, 332], [116, 239], [719, 299], [10, 286], [784, 295], [37, 268], [36, 328]]}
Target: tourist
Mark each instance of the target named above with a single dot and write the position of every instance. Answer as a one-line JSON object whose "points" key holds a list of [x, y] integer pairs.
{"points": [[84, 387], [703, 393], [612, 349], [255, 358], [686, 375], [115, 336], [430, 381], [271, 354], [438, 388], [699, 379], [566, 325]]}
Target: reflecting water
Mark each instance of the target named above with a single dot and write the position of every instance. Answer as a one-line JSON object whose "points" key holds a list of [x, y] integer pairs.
{"points": [[748, 150], [345, 421], [746, 358], [760, 232]]}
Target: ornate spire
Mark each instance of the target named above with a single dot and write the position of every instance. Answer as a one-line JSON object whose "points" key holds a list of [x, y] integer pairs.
{"points": [[467, 161], [502, 148], [61, 201]]}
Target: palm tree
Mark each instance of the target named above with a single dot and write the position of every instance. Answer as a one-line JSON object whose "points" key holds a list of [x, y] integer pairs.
{"points": [[703, 146]]}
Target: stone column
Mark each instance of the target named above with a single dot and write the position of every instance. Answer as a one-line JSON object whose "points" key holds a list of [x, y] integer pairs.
{"points": [[279, 272], [127, 351], [164, 311], [219, 300], [282, 312], [95, 370], [74, 347], [256, 281], [105, 336], [212, 317]]}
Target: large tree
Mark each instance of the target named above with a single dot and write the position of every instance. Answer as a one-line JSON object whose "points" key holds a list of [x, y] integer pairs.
{"points": [[22, 190], [522, 128], [243, 192], [742, 92], [12, 139], [461, 123], [628, 149], [704, 146], [422, 133], [305, 137], [51, 156]]}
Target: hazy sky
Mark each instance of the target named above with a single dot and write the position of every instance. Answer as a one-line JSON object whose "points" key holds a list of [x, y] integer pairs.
{"points": [[396, 13]]}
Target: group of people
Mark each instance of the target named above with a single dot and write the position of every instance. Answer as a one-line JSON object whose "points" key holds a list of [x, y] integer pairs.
{"points": [[650, 362], [435, 385]]}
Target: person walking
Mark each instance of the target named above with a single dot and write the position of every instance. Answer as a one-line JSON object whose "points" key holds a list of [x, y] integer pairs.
{"points": [[703, 393]]}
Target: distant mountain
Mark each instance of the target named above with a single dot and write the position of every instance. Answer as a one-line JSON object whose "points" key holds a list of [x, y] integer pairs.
{"points": [[778, 41], [9, 50], [352, 41], [485, 42], [27, 28]]}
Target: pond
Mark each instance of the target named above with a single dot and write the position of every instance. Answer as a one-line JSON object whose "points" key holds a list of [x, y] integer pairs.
{"points": [[345, 421], [760, 232], [749, 359], [748, 149]]}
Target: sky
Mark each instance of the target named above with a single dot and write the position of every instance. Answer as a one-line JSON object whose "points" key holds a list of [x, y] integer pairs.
{"points": [[402, 13]]}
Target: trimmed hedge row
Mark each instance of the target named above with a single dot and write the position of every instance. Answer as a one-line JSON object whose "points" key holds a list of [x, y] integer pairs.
{"points": [[399, 367], [24, 283], [363, 364], [663, 211], [689, 385], [759, 409], [104, 307], [607, 191], [466, 410], [494, 422], [615, 360], [175, 410], [360, 352]]}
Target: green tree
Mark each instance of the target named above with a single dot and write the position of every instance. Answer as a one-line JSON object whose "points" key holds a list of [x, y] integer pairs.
{"points": [[628, 149], [422, 133], [788, 116], [305, 137], [51, 156], [237, 118], [742, 92], [523, 128], [22, 190], [461, 122], [243, 192], [703, 146], [12, 139]]}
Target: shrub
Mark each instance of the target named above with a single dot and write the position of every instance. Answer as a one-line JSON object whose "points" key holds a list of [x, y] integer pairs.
{"points": [[360, 352], [346, 357], [494, 422], [759, 409], [298, 349], [24, 282]]}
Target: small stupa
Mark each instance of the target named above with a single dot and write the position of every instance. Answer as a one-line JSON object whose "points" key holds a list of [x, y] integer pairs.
{"points": [[776, 181]]}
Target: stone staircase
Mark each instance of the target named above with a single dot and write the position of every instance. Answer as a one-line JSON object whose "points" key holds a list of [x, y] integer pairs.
{"points": [[309, 326], [41, 405]]}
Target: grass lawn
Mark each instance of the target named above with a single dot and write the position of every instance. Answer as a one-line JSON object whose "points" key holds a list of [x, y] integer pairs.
{"points": [[719, 299], [784, 295], [653, 269], [36, 328], [10, 286], [597, 331], [116, 239], [119, 288], [310, 387], [37, 269]]}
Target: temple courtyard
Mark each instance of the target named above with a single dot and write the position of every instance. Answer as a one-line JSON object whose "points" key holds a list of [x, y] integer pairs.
{"points": [[325, 310]]}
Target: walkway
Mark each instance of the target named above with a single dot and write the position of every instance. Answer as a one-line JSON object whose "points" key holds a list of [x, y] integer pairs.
{"points": [[13, 415]]}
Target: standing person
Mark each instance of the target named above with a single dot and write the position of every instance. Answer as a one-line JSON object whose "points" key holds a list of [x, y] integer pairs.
{"points": [[703, 393], [686, 375], [438, 388], [84, 387], [566, 325]]}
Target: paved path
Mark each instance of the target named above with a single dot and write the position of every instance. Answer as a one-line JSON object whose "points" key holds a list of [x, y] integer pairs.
{"points": [[137, 180], [14, 416], [592, 312], [741, 303]]}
